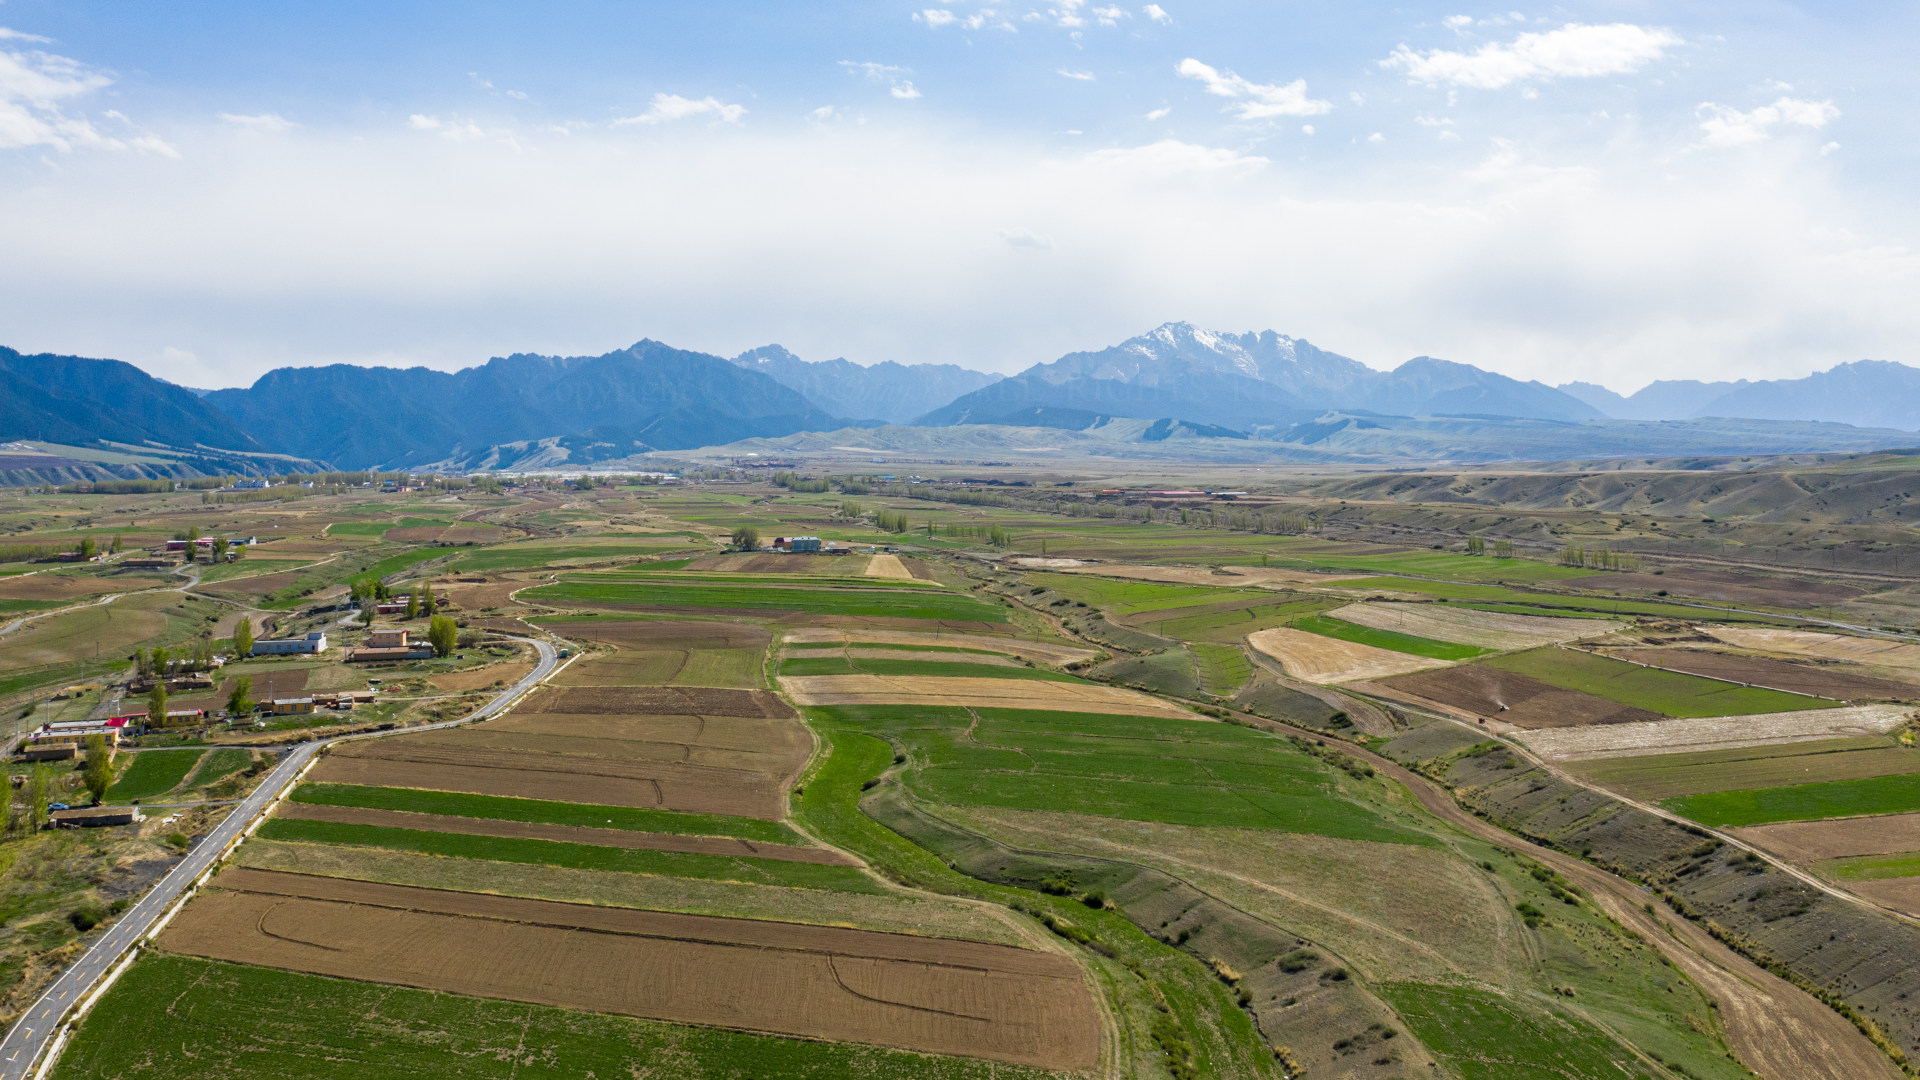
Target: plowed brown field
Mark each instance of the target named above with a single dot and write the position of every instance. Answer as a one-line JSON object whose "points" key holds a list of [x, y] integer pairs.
{"points": [[1900, 894], [1713, 732], [922, 994], [1465, 626], [1807, 842], [1821, 680], [1877, 652], [976, 692], [259, 585], [1044, 652], [1529, 703], [772, 756], [1195, 575], [667, 632], [705, 701], [1317, 659], [480, 678], [62, 587], [568, 834]]}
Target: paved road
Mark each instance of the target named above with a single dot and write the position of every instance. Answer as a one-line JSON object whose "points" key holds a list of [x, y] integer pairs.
{"points": [[38, 1026]]}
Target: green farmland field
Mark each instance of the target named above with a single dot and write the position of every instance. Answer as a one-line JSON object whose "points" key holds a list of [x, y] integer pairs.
{"points": [[233, 1022], [504, 808], [1665, 776], [881, 603], [867, 665], [153, 772], [573, 856], [523, 556], [1802, 802], [1874, 867], [1487, 1036], [1669, 693], [1387, 639], [1183, 772]]}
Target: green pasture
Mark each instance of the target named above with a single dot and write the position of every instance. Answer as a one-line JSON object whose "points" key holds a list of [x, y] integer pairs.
{"points": [[1227, 623], [231, 1021], [650, 572], [1665, 776], [1223, 669], [1874, 867], [153, 772], [528, 556], [952, 669], [1488, 1036], [1435, 564], [1669, 693], [1184, 772], [1531, 603], [506, 808], [575, 856], [881, 603], [1801, 802], [1387, 639]]}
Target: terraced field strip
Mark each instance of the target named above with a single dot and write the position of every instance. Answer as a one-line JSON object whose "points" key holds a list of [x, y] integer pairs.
{"points": [[1188, 575], [1466, 626], [1802, 802], [1667, 693], [1387, 639], [1712, 733], [1807, 842], [1043, 652], [585, 815], [887, 566], [1784, 675], [881, 603], [566, 834], [1514, 698], [1490, 1036], [876, 663], [813, 982], [1319, 659], [1665, 776], [574, 855], [1876, 652], [662, 633], [976, 692]]}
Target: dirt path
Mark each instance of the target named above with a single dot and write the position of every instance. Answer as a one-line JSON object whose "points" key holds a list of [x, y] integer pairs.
{"points": [[1776, 1029]]}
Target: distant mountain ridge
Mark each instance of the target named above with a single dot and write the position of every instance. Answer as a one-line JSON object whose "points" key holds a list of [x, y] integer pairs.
{"points": [[648, 396], [75, 400], [1865, 393], [887, 391], [1258, 382]]}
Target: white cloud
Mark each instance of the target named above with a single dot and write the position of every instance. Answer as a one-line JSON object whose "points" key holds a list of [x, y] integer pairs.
{"points": [[1156, 13], [936, 17], [1026, 239], [419, 122], [1829, 148], [1160, 112], [1726, 126], [666, 108], [904, 90], [263, 122], [1082, 76], [1257, 101], [16, 35], [1110, 16], [517, 95], [1306, 129], [1376, 137], [35, 89], [1573, 51], [824, 112], [886, 73], [1457, 22], [1171, 157]]}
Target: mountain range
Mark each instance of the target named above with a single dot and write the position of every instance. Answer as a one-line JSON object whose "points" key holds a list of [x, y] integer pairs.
{"points": [[1177, 388]]}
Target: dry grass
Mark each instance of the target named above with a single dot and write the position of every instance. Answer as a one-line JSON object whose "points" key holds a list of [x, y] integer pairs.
{"points": [[1875, 652], [1807, 842], [1316, 659], [887, 566], [1711, 733], [1223, 577], [481, 678], [1465, 626]]}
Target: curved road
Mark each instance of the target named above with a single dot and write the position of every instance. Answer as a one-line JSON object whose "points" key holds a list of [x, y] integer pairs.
{"points": [[38, 1026]]}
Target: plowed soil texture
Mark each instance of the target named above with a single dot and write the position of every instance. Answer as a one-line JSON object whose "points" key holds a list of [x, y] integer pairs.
{"points": [[1820, 680], [669, 633], [1527, 703], [923, 994], [1465, 626], [975, 692], [638, 700], [1900, 894], [1717, 585], [1714, 732], [566, 834], [480, 771], [1808, 842], [63, 587], [1316, 659], [770, 748], [1878, 652]]}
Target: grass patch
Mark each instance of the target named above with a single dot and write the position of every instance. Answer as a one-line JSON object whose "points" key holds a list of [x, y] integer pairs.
{"points": [[1874, 867], [518, 557], [895, 603], [1387, 639], [230, 1021], [1487, 1036], [573, 856], [220, 764], [1669, 693], [1224, 669], [1666, 776], [153, 772], [1184, 772], [1531, 603], [505, 808], [869, 665], [1801, 802]]}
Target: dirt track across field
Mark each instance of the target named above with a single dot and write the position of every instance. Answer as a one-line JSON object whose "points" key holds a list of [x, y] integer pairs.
{"points": [[1806, 842], [566, 834], [975, 692], [1042, 652], [1712, 733], [1528, 703], [1465, 626], [1316, 659], [922, 994]]}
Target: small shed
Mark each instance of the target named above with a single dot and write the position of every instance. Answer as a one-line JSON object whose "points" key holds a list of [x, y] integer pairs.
{"points": [[94, 816]]}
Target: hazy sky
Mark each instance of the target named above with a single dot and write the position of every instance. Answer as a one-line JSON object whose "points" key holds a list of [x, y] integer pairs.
{"points": [[1616, 192]]}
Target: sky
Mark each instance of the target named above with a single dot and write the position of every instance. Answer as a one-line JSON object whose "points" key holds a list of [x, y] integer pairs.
{"points": [[1614, 192]]}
